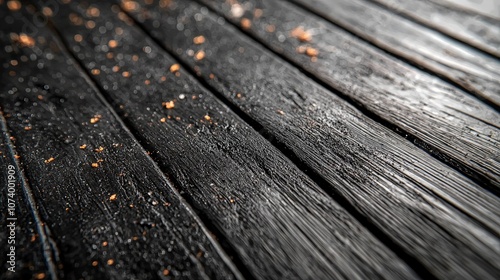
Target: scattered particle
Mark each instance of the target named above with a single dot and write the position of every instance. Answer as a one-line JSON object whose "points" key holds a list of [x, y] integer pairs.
{"points": [[110, 55], [169, 104], [96, 71], [115, 68], [112, 198], [17, 156], [270, 28], [112, 44], [100, 149], [163, 78], [25, 40], [95, 164], [207, 117], [237, 10], [182, 96], [163, 120], [280, 112], [199, 40], [211, 76], [110, 262], [90, 24], [78, 38], [40, 276], [155, 203], [301, 34], [135, 57], [46, 11], [174, 68], [14, 5], [105, 243], [239, 95], [27, 128], [258, 13], [67, 209], [83, 147], [166, 272], [301, 49], [49, 160], [231, 200], [312, 52], [40, 97], [147, 82], [131, 206], [95, 119], [93, 12], [130, 6], [246, 23], [94, 263], [199, 55], [126, 74]]}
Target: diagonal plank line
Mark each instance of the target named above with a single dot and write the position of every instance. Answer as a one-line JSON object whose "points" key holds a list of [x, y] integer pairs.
{"points": [[426, 147], [221, 245], [49, 247]]}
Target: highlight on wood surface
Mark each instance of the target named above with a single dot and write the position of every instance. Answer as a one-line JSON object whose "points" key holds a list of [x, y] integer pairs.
{"points": [[246, 139]]}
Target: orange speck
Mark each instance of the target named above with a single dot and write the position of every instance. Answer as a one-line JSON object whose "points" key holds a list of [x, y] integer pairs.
{"points": [[112, 198], [90, 24], [199, 40], [163, 78], [95, 164], [130, 6], [40, 276], [78, 38], [211, 76], [95, 71], [94, 263], [258, 13], [25, 40], [199, 55], [100, 149], [112, 43], [47, 11], [110, 55], [207, 117], [174, 68], [110, 262], [126, 74], [105, 243], [301, 34], [169, 104], [116, 68], [270, 28], [95, 119], [49, 160], [280, 112], [14, 5], [27, 128], [312, 52], [246, 23], [166, 272], [163, 120], [93, 12], [147, 82], [83, 147]]}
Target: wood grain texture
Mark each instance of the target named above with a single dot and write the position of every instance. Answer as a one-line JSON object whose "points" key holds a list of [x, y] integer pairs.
{"points": [[120, 219], [411, 197], [445, 121], [277, 220], [469, 27], [461, 64], [28, 243]]}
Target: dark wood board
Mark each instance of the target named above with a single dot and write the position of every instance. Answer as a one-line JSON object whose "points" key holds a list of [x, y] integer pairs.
{"points": [[395, 186], [458, 63], [30, 257], [477, 30], [445, 121], [275, 219], [119, 220]]}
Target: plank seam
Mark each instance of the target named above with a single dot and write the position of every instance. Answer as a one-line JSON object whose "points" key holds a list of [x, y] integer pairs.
{"points": [[49, 247], [205, 225], [475, 176], [413, 263]]}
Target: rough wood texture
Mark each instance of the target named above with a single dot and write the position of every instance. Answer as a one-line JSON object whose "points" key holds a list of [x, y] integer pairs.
{"points": [[118, 220], [29, 244], [408, 195], [443, 120], [459, 63], [479, 31], [278, 222]]}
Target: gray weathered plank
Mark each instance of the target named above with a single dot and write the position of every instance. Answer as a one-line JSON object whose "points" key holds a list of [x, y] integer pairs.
{"points": [[469, 27], [407, 194], [278, 222], [29, 258]]}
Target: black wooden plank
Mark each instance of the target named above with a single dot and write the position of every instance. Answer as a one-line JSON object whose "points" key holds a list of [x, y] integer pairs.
{"points": [[275, 218], [460, 64], [28, 256], [443, 120], [119, 219], [469, 27], [392, 184]]}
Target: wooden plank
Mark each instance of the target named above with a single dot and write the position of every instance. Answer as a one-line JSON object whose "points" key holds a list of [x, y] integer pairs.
{"points": [[462, 65], [28, 254], [118, 219], [395, 186], [469, 27], [443, 120], [280, 224]]}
